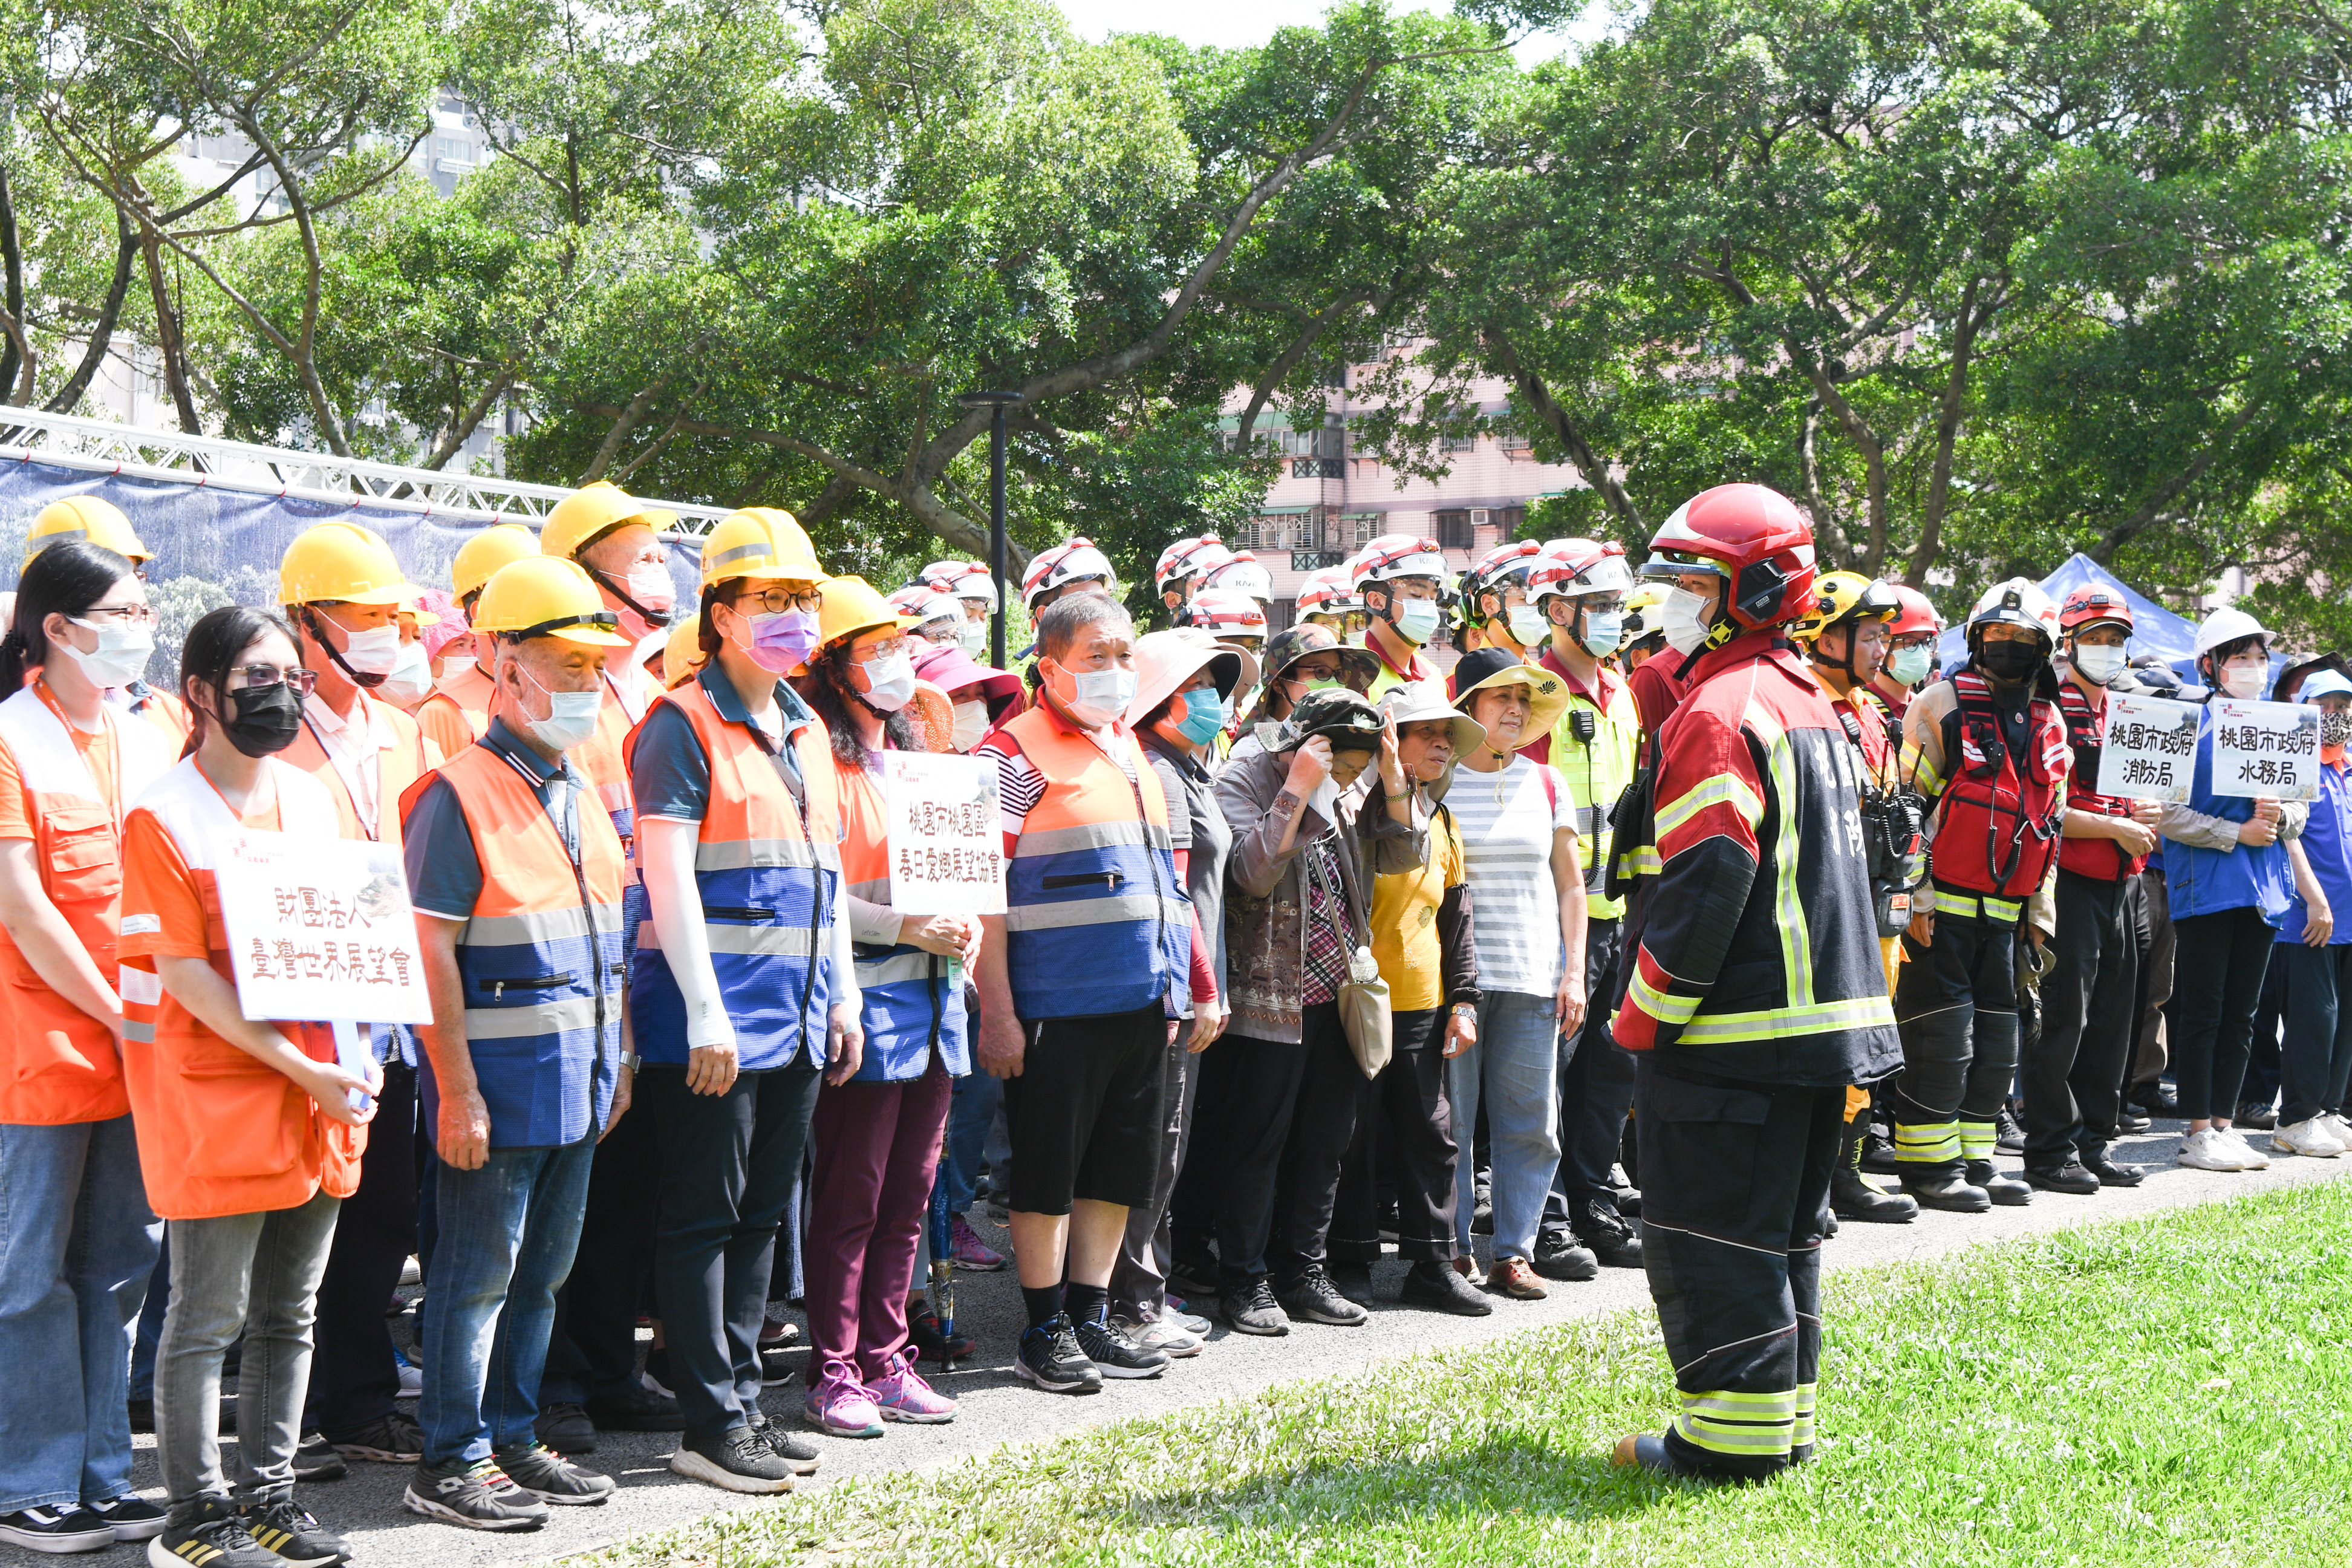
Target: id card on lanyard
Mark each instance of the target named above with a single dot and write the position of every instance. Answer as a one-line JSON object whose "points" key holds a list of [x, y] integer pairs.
{"points": [[347, 777]]}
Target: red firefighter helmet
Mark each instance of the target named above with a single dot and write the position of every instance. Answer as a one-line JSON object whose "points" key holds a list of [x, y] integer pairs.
{"points": [[2090, 605], [1914, 612], [1755, 539]]}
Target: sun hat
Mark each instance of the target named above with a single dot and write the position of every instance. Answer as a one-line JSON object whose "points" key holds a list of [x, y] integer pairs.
{"points": [[1165, 661], [1489, 668]]}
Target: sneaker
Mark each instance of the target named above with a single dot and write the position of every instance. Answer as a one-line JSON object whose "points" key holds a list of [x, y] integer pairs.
{"points": [[1196, 1280], [1557, 1256], [901, 1395], [1467, 1267], [2154, 1101], [655, 1378], [58, 1530], [636, 1410], [1353, 1281], [926, 1340], [1513, 1277], [478, 1496], [1603, 1231], [131, 1518], [2260, 1118], [967, 1251], [412, 1378], [740, 1460], [775, 1335], [393, 1439], [2008, 1137], [1114, 1354], [316, 1460], [2338, 1127], [840, 1405], [212, 1534], [284, 1529], [2254, 1158], [800, 1455], [554, 1480], [2210, 1151], [1183, 1317], [1252, 1309], [1162, 1334], [2309, 1138], [1312, 1298], [1050, 1358], [1432, 1284], [566, 1427]]}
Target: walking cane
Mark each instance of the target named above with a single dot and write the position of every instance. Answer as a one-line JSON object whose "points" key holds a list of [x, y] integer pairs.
{"points": [[943, 1270]]}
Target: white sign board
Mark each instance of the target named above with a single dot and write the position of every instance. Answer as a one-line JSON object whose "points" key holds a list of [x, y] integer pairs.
{"points": [[2151, 751], [947, 839], [2266, 749], [321, 930]]}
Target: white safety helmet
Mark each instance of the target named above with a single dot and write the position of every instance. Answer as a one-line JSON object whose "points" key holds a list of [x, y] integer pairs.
{"points": [[1189, 557], [1575, 568], [1328, 593], [960, 578], [2020, 602], [1073, 560], [1240, 572], [1226, 614], [928, 604], [1392, 556], [2226, 626]]}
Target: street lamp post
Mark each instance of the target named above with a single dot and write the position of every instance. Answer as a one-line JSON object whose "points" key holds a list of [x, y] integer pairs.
{"points": [[996, 403]]}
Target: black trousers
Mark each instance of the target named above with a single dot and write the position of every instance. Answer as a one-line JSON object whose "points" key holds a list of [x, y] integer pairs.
{"points": [[353, 1375], [2217, 978], [2265, 1072], [2316, 1054], [2074, 1070], [592, 1354], [1735, 1198], [1289, 1113], [1406, 1105], [1955, 1010], [1596, 1085], [2154, 951], [728, 1165]]}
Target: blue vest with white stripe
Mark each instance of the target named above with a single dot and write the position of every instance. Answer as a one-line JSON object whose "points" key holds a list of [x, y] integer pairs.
{"points": [[912, 997]]}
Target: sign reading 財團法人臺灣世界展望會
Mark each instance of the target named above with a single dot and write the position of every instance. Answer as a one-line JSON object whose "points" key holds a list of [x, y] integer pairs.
{"points": [[321, 930], [2269, 749], [2149, 751], [946, 837]]}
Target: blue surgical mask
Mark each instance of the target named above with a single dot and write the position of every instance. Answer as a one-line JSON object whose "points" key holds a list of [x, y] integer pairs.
{"points": [[1604, 630], [1527, 628], [1909, 666], [572, 715], [1416, 620], [1204, 714]]}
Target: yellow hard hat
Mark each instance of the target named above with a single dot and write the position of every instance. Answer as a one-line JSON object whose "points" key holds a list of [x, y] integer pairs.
{"points": [[542, 597], [85, 517], [421, 617], [487, 552], [758, 541], [848, 605], [591, 511], [341, 563], [682, 653], [1838, 597]]}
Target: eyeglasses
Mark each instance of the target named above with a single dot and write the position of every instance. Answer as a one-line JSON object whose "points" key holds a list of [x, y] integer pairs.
{"points": [[121, 614], [261, 677], [881, 653], [776, 601]]}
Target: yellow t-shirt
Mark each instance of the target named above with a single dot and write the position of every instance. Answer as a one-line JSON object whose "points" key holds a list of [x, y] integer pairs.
{"points": [[1404, 921]]}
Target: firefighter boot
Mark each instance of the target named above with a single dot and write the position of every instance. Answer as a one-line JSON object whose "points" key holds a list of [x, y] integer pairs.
{"points": [[1853, 1195], [2006, 1191]]}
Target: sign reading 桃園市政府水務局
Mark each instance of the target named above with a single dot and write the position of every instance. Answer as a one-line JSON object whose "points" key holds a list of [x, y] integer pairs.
{"points": [[2265, 749], [946, 837], [2149, 752], [321, 930]]}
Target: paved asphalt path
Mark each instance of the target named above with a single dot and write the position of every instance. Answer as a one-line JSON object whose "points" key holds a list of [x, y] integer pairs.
{"points": [[998, 1409]]}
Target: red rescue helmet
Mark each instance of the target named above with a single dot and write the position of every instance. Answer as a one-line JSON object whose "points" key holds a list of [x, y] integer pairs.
{"points": [[1755, 539], [1914, 612], [2093, 604]]}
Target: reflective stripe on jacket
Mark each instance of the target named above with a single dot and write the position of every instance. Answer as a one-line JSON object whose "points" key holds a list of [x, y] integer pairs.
{"points": [[1097, 920], [539, 959], [767, 867], [58, 1064], [221, 1131], [912, 997]]}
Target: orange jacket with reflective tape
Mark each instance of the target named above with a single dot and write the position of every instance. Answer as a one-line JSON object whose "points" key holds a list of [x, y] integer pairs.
{"points": [[458, 712]]}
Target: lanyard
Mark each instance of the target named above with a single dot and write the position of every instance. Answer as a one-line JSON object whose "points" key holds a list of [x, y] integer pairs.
{"points": [[366, 819]]}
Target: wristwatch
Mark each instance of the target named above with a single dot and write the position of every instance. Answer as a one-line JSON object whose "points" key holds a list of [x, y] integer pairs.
{"points": [[1466, 1009], [631, 1060]]}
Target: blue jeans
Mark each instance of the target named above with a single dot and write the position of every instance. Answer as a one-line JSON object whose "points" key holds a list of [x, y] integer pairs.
{"points": [[971, 1112], [1519, 1064], [504, 1236], [77, 1243]]}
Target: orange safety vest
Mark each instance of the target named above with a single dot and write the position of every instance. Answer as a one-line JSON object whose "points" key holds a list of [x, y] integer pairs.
{"points": [[58, 1064], [767, 866], [398, 766], [539, 959], [219, 1131], [458, 712]]}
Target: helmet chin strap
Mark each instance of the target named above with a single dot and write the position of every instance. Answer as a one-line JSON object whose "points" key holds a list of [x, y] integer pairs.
{"points": [[365, 682], [650, 617]]}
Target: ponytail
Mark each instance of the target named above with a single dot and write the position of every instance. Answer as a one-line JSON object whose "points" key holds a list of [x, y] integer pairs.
{"points": [[66, 578]]}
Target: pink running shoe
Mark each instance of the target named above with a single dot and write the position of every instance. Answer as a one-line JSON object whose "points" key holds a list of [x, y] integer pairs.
{"points": [[903, 1396], [970, 1252], [840, 1404]]}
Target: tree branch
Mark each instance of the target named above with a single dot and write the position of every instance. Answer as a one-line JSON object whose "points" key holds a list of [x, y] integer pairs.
{"points": [[1589, 464], [1948, 432], [2163, 495], [102, 332], [1287, 361]]}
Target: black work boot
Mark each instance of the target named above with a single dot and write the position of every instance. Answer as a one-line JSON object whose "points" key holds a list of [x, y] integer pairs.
{"points": [[2006, 1191], [1852, 1196], [1939, 1187]]}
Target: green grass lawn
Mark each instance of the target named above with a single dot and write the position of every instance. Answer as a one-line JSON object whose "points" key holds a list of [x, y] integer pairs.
{"points": [[2172, 1390]]}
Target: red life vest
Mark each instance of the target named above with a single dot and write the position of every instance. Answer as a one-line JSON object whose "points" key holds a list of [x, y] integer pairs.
{"points": [[2086, 732], [1999, 830]]}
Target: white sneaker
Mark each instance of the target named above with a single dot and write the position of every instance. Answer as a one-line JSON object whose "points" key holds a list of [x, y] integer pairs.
{"points": [[2255, 1160], [2311, 1137], [1162, 1335], [2210, 1151], [2338, 1127]]}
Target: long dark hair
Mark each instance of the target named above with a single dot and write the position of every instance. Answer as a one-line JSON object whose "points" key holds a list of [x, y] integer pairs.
{"points": [[64, 579], [210, 653], [829, 692]]}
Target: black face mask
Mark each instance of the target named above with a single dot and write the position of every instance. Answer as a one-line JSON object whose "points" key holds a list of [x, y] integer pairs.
{"points": [[267, 720], [2009, 661]]}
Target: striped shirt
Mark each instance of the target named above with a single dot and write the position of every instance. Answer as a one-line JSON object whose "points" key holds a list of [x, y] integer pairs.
{"points": [[1019, 785], [1507, 820]]}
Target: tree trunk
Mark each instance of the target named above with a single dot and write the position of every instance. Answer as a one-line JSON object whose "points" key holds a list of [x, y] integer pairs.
{"points": [[1947, 433], [12, 285], [1570, 436], [102, 332], [167, 336]]}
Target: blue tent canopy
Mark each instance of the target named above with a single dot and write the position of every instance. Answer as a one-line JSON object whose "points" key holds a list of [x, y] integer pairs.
{"points": [[2154, 629]]}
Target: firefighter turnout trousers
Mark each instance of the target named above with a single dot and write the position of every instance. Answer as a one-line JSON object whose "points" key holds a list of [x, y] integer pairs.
{"points": [[1956, 1008], [1735, 1198]]}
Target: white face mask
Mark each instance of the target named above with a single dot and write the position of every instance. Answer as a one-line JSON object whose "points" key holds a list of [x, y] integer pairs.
{"points": [[120, 658], [455, 664], [572, 715], [651, 587], [1527, 625], [1101, 695], [892, 681], [411, 679], [974, 638], [1686, 631], [373, 651], [2244, 682], [1416, 620], [971, 724], [2098, 666]]}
